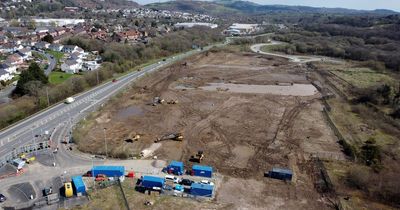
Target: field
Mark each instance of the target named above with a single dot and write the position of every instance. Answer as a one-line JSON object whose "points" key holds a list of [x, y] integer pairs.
{"points": [[58, 77], [243, 110]]}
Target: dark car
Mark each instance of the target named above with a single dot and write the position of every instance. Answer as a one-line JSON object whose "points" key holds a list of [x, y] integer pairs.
{"points": [[2, 198], [186, 182]]}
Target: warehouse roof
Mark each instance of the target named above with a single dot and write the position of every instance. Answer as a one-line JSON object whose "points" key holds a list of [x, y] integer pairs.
{"points": [[202, 168], [202, 186]]}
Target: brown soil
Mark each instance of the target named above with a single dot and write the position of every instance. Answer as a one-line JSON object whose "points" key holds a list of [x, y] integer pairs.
{"points": [[242, 134]]}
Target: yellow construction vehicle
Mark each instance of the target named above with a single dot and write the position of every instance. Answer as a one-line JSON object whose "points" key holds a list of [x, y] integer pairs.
{"points": [[135, 137], [197, 157], [171, 136]]}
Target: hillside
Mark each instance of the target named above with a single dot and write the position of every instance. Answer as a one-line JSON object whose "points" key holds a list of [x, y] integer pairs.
{"points": [[99, 4], [229, 7]]}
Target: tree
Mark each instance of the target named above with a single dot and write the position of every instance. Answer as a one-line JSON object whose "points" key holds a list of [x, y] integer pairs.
{"points": [[48, 38], [34, 73]]}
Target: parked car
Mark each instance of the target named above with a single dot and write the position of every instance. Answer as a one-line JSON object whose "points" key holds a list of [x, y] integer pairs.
{"points": [[101, 177], [206, 182], [114, 80], [186, 182], [2, 198], [172, 178]]}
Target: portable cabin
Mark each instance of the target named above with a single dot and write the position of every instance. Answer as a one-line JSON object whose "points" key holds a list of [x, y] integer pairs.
{"points": [[175, 167], [109, 171], [152, 181], [280, 173], [199, 189], [78, 185], [200, 170], [69, 192]]}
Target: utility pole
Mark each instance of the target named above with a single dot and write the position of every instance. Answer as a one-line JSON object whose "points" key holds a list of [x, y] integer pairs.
{"points": [[105, 140], [47, 94]]}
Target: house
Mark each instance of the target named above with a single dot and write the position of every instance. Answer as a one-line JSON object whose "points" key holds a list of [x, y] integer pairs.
{"points": [[23, 56], [131, 35], [71, 66], [3, 39], [42, 45], [15, 60], [60, 31], [90, 66], [56, 47], [69, 48], [5, 76], [8, 48], [41, 35], [53, 32], [41, 30], [8, 68], [26, 51]]}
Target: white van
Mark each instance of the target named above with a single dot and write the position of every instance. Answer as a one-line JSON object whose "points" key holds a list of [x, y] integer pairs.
{"points": [[172, 178]]}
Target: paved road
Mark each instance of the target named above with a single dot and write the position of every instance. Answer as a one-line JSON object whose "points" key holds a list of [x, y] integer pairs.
{"points": [[294, 58], [24, 132]]}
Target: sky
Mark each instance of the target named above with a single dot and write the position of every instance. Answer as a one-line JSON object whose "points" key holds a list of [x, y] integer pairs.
{"points": [[352, 4]]}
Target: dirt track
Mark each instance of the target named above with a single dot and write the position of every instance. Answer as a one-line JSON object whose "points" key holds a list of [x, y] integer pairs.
{"points": [[242, 134]]}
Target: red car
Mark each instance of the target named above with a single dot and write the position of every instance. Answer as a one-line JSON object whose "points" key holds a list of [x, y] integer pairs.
{"points": [[114, 80], [101, 177]]}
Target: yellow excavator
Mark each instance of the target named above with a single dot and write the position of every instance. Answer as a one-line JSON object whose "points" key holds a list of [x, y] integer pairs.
{"points": [[135, 137], [171, 136]]}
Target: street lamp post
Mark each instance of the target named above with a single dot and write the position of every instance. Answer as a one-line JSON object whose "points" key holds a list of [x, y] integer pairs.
{"points": [[105, 140]]}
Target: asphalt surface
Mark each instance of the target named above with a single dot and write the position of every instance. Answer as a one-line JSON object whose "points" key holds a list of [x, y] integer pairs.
{"points": [[25, 131]]}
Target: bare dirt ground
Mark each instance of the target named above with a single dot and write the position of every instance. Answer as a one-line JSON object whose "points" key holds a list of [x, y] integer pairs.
{"points": [[242, 134]]}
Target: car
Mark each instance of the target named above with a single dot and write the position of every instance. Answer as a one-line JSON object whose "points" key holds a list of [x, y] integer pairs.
{"points": [[114, 80], [164, 59], [172, 178], [101, 177], [186, 182], [206, 182], [2, 198]]}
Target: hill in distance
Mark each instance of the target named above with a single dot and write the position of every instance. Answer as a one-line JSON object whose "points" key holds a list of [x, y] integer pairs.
{"points": [[230, 7]]}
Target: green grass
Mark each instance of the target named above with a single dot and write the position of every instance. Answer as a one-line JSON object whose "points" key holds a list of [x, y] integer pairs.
{"points": [[57, 55], [364, 77], [273, 48], [59, 77]]}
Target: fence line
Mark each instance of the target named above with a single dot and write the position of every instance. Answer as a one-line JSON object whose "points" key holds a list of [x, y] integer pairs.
{"points": [[123, 195]]}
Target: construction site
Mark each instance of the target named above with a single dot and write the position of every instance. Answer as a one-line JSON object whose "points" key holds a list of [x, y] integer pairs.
{"points": [[242, 113]]}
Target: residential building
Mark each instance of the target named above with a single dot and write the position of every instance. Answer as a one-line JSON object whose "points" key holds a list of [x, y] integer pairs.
{"points": [[71, 66], [5, 76], [15, 60], [90, 66], [56, 47], [42, 45], [69, 48], [8, 68]]}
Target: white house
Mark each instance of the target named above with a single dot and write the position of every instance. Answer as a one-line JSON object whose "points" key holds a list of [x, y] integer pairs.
{"points": [[42, 45], [26, 51], [5, 76], [71, 66], [69, 48], [56, 47], [8, 68], [90, 66]]}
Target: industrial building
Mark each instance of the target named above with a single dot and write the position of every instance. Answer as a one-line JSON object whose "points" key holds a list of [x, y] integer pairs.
{"points": [[152, 181], [175, 167], [193, 24], [109, 171], [200, 170], [201, 189], [241, 29], [78, 185]]}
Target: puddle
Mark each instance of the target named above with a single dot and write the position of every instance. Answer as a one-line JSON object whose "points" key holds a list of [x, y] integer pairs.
{"points": [[184, 87], [289, 90], [129, 111]]}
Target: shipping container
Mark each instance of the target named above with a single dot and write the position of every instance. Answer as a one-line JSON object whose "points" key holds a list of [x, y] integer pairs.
{"points": [[109, 171], [201, 189], [204, 171], [152, 181], [78, 185], [175, 167], [280, 173]]}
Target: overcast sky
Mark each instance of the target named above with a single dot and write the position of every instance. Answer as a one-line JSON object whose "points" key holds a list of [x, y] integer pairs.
{"points": [[353, 4]]}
